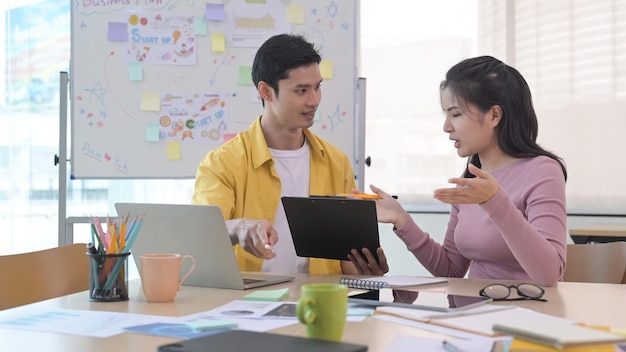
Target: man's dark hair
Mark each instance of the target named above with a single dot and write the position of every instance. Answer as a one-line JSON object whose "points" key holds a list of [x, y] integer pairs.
{"points": [[278, 55]]}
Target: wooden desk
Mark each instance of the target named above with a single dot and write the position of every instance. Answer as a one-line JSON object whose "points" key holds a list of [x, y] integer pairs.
{"points": [[600, 304], [600, 233]]}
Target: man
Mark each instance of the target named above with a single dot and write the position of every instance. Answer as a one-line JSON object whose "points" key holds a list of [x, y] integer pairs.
{"points": [[275, 157]]}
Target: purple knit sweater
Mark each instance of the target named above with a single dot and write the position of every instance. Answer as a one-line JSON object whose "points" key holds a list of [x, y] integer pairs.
{"points": [[519, 234]]}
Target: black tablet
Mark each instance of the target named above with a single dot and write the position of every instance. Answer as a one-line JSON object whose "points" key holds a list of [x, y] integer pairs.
{"points": [[240, 340], [436, 300], [330, 227]]}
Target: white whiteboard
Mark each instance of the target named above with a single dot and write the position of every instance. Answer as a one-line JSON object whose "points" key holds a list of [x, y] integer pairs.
{"points": [[144, 107]]}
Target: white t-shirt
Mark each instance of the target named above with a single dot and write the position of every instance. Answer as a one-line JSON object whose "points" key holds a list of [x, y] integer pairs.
{"points": [[294, 169]]}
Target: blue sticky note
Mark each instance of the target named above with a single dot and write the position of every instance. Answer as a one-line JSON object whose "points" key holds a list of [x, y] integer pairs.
{"points": [[214, 12], [118, 32], [135, 71], [199, 26], [152, 132]]}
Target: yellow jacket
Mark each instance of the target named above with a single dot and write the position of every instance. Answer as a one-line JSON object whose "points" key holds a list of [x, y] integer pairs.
{"points": [[240, 178]]}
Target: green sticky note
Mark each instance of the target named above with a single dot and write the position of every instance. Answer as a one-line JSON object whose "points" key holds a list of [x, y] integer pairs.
{"points": [[211, 324], [359, 312], [267, 295], [245, 76], [152, 132], [135, 71], [199, 26]]}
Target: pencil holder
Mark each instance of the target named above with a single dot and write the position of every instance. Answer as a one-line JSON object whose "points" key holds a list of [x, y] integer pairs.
{"points": [[108, 277]]}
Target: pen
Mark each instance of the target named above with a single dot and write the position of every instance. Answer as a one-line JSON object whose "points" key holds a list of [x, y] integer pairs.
{"points": [[364, 195], [450, 347]]}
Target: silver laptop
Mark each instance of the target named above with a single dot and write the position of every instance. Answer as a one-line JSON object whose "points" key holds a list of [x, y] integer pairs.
{"points": [[198, 230]]}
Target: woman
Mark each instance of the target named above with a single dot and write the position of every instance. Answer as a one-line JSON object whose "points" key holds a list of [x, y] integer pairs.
{"points": [[508, 217]]}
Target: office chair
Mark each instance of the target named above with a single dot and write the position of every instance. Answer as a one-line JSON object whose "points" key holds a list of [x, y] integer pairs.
{"points": [[36, 276], [596, 262]]}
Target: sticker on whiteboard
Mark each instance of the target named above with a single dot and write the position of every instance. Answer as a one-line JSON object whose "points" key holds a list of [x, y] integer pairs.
{"points": [[193, 118], [164, 39], [214, 12], [295, 14], [173, 150]]}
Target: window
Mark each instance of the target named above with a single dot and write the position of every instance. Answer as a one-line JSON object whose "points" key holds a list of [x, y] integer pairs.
{"points": [[410, 154], [572, 52]]}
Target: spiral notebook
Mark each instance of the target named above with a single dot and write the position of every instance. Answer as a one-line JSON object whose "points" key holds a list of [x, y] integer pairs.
{"points": [[374, 283]]}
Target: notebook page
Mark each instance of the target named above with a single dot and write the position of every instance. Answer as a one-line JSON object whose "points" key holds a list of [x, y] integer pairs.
{"points": [[483, 323]]}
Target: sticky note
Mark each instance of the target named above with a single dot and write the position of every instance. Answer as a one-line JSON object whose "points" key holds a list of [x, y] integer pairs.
{"points": [[326, 69], [211, 324], [295, 14], [229, 136], [199, 26], [245, 76], [117, 32], [214, 12], [316, 117], [267, 295], [135, 71], [152, 132], [217, 42], [359, 311], [173, 150], [150, 101]]}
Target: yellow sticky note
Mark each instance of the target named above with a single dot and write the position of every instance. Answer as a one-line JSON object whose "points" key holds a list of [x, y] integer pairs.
{"points": [[173, 150], [326, 69], [217, 42], [295, 14], [150, 101]]}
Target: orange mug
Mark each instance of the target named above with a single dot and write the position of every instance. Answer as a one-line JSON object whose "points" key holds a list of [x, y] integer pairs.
{"points": [[160, 274]]}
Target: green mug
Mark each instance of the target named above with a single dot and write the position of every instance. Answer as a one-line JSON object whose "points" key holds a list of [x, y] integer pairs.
{"points": [[322, 308]]}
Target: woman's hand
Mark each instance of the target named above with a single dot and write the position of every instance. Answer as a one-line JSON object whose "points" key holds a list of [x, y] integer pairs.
{"points": [[389, 210], [469, 190]]}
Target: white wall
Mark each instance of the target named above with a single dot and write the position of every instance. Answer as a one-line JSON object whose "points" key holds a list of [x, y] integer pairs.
{"points": [[401, 261]]}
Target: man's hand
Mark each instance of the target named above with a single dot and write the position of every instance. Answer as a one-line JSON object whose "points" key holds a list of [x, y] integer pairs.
{"points": [[366, 264], [256, 237]]}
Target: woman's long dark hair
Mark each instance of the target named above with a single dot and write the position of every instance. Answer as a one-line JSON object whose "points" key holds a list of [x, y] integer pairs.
{"points": [[485, 81]]}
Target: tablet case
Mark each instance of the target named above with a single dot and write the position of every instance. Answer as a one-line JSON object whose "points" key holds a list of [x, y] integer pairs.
{"points": [[330, 227], [240, 340]]}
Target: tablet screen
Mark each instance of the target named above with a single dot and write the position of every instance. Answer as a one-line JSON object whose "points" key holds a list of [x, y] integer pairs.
{"points": [[436, 300]]}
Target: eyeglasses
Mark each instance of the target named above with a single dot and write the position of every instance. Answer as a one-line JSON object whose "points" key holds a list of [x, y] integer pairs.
{"points": [[500, 292]]}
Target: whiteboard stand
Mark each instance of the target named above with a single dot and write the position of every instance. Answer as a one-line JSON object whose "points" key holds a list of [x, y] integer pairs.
{"points": [[60, 159], [359, 138]]}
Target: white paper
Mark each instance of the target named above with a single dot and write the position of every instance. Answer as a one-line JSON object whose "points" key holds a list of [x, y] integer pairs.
{"points": [[80, 322]]}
